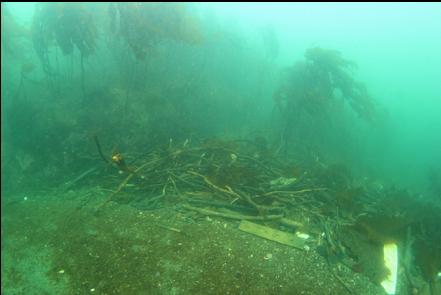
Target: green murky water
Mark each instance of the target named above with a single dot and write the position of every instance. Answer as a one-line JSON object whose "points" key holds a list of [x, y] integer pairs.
{"points": [[137, 139]]}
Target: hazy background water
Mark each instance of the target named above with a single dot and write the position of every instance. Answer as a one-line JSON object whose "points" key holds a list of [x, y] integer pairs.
{"points": [[397, 48]]}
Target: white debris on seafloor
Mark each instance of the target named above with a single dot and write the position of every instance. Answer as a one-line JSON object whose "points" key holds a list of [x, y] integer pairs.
{"points": [[268, 256], [390, 253], [301, 235]]}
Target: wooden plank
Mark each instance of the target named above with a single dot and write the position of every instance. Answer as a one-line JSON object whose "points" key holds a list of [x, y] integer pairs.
{"points": [[272, 234]]}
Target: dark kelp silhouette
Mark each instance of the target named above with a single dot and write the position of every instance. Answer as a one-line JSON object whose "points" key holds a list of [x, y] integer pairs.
{"points": [[67, 26]]}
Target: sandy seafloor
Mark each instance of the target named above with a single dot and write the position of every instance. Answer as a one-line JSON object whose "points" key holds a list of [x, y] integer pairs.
{"points": [[58, 243]]}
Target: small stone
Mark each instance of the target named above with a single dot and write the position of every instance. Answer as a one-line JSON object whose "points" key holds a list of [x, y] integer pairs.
{"points": [[61, 271]]}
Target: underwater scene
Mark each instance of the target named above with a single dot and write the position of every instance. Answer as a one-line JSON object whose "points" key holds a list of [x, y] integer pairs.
{"points": [[221, 148]]}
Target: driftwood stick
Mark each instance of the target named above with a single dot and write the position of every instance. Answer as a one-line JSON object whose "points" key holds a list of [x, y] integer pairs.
{"points": [[120, 187], [169, 227], [98, 147], [207, 181], [218, 204], [341, 282], [244, 197], [71, 183], [291, 223], [123, 184], [296, 192], [231, 215], [229, 191]]}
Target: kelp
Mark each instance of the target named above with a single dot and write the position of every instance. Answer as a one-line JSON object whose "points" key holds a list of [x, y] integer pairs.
{"points": [[11, 32], [69, 25], [144, 25], [66, 25], [314, 84]]}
